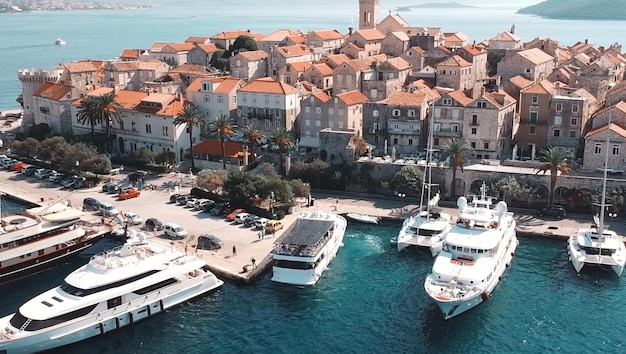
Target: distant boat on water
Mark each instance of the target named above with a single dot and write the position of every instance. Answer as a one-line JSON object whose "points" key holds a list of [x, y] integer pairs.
{"points": [[192, 17], [59, 41]]}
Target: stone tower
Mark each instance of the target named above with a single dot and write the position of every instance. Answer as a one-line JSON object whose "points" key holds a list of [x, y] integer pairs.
{"points": [[368, 13], [31, 81]]}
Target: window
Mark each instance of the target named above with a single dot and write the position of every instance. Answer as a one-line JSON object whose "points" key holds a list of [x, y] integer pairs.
{"points": [[572, 134], [133, 126], [318, 123], [375, 113], [533, 116], [410, 141], [482, 104], [557, 120], [528, 71], [318, 110], [447, 102], [455, 114], [220, 99], [374, 93], [165, 131], [148, 129], [340, 112], [573, 122], [486, 145], [395, 113], [597, 149], [411, 113], [574, 108], [473, 144], [307, 123], [474, 119], [616, 149], [331, 111], [559, 107], [340, 124], [395, 141], [534, 99], [556, 133], [207, 98], [330, 124], [307, 109], [474, 131], [437, 127], [532, 130], [437, 112]]}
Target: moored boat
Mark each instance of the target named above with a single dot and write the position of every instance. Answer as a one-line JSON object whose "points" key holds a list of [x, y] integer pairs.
{"points": [[475, 254], [304, 250], [364, 218], [59, 41], [115, 289]]}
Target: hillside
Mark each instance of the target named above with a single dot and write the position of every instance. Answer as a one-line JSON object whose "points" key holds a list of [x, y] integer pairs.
{"points": [[439, 5], [578, 9]]}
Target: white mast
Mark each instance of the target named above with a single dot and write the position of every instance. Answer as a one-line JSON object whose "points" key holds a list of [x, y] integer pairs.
{"points": [[606, 166]]}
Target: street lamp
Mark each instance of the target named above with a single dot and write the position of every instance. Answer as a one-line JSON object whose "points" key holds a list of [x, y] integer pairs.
{"points": [[402, 196], [272, 203], [77, 166]]}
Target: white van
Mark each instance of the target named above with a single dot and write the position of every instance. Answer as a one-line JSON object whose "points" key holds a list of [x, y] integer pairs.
{"points": [[175, 231], [241, 217], [107, 209]]}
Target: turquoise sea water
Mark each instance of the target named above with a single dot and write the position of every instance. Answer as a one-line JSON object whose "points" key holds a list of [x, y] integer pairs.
{"points": [[27, 39], [371, 300]]}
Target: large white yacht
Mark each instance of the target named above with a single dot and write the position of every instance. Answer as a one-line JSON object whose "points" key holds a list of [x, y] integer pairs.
{"points": [[115, 289], [38, 238], [598, 246], [475, 254], [303, 251]]}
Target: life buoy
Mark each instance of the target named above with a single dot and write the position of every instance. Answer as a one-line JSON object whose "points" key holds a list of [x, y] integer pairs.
{"points": [[508, 265], [485, 296], [512, 254], [500, 278], [493, 225]]}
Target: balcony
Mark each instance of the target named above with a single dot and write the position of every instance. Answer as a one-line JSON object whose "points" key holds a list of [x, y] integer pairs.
{"points": [[118, 131], [447, 132], [404, 132]]}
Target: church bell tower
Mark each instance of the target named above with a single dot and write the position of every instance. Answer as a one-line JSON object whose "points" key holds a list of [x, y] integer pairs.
{"points": [[368, 13]]}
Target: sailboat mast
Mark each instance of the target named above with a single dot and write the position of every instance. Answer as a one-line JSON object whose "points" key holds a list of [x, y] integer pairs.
{"points": [[606, 166]]}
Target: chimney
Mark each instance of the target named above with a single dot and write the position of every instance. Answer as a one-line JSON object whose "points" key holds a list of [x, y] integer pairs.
{"points": [[586, 41], [474, 44], [482, 91], [350, 29]]}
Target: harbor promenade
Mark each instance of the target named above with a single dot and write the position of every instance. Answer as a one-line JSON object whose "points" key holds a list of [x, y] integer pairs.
{"points": [[241, 244]]}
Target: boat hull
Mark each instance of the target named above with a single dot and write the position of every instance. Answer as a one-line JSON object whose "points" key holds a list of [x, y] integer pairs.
{"points": [[97, 323], [47, 261], [579, 260]]}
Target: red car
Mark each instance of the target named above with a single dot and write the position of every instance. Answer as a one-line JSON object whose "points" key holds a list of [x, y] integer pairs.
{"points": [[18, 166], [131, 193], [231, 216]]}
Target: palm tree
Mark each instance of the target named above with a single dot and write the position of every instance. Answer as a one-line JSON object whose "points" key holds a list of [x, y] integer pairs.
{"points": [[87, 113], [458, 150], [284, 141], [108, 112], [554, 160], [190, 116], [222, 127], [253, 137]]}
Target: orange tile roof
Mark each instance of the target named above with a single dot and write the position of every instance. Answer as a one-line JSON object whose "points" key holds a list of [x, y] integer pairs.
{"points": [[55, 92], [473, 49], [267, 85], [541, 87], [495, 97], [228, 85], [406, 99], [293, 50], [614, 127], [460, 97], [300, 66], [352, 97], [520, 81], [621, 106], [83, 66], [196, 85], [322, 96], [297, 39], [181, 47], [400, 35], [196, 40], [371, 34], [455, 36], [418, 50], [279, 35], [455, 60], [398, 63], [130, 53], [335, 59], [254, 55], [234, 34], [505, 37], [328, 35], [208, 48], [366, 63], [324, 69], [214, 147], [535, 55]]}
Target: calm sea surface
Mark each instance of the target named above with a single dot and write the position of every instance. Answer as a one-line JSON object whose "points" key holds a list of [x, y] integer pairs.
{"points": [[372, 300], [27, 39]]}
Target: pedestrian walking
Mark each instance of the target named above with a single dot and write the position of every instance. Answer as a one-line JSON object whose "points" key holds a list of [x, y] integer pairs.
{"points": [[262, 234], [259, 235], [253, 262], [234, 250]]}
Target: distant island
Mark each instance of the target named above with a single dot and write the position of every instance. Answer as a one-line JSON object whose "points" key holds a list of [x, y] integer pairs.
{"points": [[578, 9], [15, 6], [433, 5]]}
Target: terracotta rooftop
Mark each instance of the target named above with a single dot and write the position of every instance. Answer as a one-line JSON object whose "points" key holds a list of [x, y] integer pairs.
{"points": [[398, 63], [505, 37], [322, 96], [53, 91], [371, 34], [83, 66], [352, 97], [254, 55], [214, 147], [297, 39], [520, 81], [279, 35], [131, 53], [223, 84], [541, 87], [267, 85], [400, 35], [455, 37], [208, 48], [366, 63], [328, 35], [406, 99], [299, 66], [197, 40], [455, 61], [614, 127], [460, 97], [293, 50], [334, 60], [473, 49], [323, 69], [235, 34], [535, 55]]}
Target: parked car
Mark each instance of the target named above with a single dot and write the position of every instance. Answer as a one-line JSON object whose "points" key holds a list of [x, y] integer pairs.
{"points": [[133, 218], [133, 177], [130, 193], [153, 224], [554, 211], [91, 204], [201, 204], [241, 217], [18, 166], [107, 209], [71, 182], [29, 170], [249, 221], [55, 177], [107, 186], [42, 173], [233, 214], [182, 200], [8, 163], [209, 242], [216, 209], [191, 202], [174, 197], [259, 224], [174, 231], [64, 179], [272, 226]]}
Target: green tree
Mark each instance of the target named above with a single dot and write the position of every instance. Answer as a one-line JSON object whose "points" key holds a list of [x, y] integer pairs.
{"points": [[360, 146], [311, 172], [98, 163], [219, 61], [53, 150], [222, 127], [241, 187], [253, 137], [281, 189], [283, 140], [299, 188], [28, 147], [144, 154], [165, 157], [39, 131], [108, 112], [459, 151], [407, 180], [266, 169], [88, 114], [243, 43], [507, 188], [190, 117], [212, 180], [555, 160]]}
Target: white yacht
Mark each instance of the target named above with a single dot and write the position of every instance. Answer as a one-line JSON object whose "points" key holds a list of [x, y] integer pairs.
{"points": [[364, 218], [40, 237], [475, 254], [598, 246], [429, 227], [59, 41], [115, 289], [304, 250]]}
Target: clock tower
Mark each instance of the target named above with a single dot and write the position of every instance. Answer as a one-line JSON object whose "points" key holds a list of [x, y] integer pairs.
{"points": [[368, 13]]}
